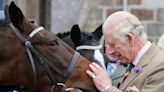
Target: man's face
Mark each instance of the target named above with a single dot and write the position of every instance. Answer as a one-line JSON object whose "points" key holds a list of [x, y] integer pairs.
{"points": [[112, 59], [119, 50]]}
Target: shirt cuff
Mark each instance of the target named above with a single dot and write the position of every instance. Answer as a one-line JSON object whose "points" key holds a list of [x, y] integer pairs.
{"points": [[110, 89], [107, 88]]}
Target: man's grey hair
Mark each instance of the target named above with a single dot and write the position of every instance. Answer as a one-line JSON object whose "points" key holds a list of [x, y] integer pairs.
{"points": [[123, 22]]}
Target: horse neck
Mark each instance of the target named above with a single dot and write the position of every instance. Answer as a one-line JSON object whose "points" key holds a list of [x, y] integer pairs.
{"points": [[10, 44], [14, 60]]}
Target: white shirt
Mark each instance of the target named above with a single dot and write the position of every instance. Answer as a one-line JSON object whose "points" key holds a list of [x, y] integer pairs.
{"points": [[141, 52]]}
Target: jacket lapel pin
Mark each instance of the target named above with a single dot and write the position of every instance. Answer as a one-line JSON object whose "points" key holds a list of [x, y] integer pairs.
{"points": [[137, 70]]}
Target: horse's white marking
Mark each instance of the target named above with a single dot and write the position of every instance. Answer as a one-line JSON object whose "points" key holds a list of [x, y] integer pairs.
{"points": [[99, 57]]}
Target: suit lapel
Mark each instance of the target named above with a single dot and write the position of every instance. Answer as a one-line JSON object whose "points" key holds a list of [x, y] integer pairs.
{"points": [[146, 58], [130, 77]]}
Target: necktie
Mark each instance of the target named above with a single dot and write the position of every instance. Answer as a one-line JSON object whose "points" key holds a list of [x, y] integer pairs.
{"points": [[109, 69], [131, 66]]}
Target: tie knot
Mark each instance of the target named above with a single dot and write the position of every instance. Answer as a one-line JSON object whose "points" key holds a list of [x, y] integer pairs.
{"points": [[131, 66]]}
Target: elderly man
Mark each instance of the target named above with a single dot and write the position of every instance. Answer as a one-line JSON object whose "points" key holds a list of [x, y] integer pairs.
{"points": [[126, 40]]}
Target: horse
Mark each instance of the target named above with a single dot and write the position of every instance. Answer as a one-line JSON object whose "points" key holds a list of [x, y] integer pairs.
{"points": [[35, 58], [86, 43]]}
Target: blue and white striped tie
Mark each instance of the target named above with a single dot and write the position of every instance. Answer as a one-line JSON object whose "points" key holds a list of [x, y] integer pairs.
{"points": [[109, 69]]}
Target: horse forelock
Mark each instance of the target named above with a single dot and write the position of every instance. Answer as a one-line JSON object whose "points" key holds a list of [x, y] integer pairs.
{"points": [[63, 35], [89, 39]]}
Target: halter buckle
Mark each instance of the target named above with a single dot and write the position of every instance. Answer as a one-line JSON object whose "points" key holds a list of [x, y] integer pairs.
{"points": [[28, 43]]}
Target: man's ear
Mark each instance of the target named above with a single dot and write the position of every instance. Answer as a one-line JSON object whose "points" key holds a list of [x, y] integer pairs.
{"points": [[130, 38]]}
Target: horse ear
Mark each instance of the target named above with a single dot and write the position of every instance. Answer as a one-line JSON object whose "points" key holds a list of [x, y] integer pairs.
{"points": [[16, 15], [98, 32], [75, 34]]}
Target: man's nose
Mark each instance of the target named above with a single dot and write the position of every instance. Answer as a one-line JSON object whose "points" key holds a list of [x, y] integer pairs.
{"points": [[110, 50]]}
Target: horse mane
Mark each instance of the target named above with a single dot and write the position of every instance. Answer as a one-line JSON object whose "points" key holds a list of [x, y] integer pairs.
{"points": [[64, 34], [6, 15]]}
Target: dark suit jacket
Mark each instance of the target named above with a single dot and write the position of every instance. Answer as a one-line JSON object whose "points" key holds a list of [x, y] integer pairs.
{"points": [[150, 78]]}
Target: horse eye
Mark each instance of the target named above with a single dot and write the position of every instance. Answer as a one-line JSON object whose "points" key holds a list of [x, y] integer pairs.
{"points": [[54, 42]]}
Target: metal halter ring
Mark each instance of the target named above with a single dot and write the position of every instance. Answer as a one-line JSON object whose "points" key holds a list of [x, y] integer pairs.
{"points": [[58, 84]]}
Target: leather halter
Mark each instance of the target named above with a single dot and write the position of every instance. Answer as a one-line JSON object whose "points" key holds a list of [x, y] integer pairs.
{"points": [[42, 60], [100, 60]]}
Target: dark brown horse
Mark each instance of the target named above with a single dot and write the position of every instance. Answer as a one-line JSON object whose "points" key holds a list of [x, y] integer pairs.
{"points": [[35, 58]]}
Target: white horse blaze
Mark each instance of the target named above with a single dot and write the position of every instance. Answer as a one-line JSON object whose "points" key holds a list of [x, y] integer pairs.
{"points": [[99, 57]]}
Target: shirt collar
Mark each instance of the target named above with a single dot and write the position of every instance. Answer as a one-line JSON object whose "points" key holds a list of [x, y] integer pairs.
{"points": [[141, 52], [114, 65]]}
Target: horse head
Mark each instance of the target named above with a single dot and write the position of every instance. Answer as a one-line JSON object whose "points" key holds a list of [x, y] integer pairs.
{"points": [[86, 38], [86, 43], [36, 58]]}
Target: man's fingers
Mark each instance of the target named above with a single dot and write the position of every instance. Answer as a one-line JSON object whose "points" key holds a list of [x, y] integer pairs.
{"points": [[93, 68], [90, 74], [99, 68]]}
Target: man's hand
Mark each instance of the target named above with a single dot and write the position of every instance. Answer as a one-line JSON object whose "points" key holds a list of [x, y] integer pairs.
{"points": [[100, 77]]}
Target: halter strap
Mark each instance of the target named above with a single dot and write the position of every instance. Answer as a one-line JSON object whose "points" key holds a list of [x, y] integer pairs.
{"points": [[18, 34], [73, 62], [89, 47], [35, 31], [29, 46], [71, 65]]}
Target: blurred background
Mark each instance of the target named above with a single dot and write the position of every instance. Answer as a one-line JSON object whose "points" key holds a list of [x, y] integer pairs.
{"points": [[59, 15]]}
